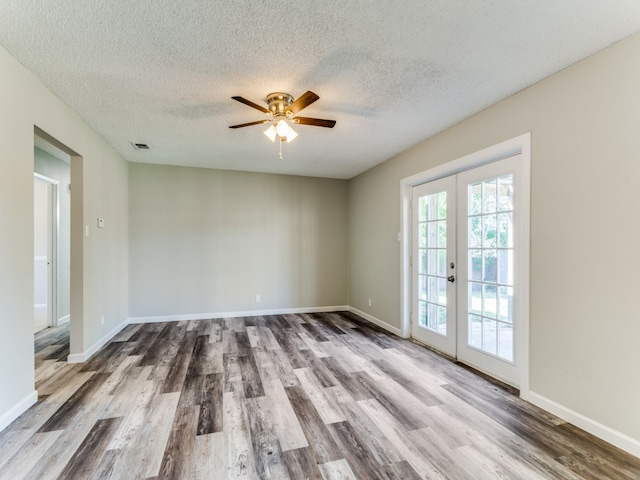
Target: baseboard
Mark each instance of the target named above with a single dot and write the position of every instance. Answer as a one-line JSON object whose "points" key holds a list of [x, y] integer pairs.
{"points": [[84, 356], [246, 313], [18, 409], [607, 434], [64, 320], [377, 321]]}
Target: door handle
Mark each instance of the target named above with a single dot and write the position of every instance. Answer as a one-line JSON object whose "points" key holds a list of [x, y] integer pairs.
{"points": [[451, 278]]}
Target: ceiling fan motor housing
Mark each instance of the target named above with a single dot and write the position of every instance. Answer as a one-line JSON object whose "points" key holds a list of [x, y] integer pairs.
{"points": [[278, 103]]}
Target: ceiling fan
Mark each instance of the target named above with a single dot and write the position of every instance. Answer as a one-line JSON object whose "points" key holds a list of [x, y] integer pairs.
{"points": [[282, 108]]}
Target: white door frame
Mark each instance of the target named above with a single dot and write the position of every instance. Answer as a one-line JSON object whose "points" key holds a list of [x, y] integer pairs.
{"points": [[52, 248], [515, 146]]}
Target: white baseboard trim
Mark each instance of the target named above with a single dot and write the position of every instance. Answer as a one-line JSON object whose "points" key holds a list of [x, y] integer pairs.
{"points": [[84, 356], [64, 320], [607, 434], [246, 313], [377, 321], [18, 409]]}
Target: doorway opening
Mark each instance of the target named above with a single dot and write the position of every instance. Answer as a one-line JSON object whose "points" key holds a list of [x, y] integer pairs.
{"points": [[57, 240], [465, 260]]}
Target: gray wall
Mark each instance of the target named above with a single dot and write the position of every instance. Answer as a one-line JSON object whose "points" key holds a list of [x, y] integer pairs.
{"points": [[208, 241], [26, 103], [52, 167], [585, 225]]}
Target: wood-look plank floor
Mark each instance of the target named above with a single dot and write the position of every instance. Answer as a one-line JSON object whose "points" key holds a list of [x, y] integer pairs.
{"points": [[318, 396]]}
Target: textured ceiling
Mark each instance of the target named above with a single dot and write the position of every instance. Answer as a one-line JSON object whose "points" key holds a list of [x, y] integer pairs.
{"points": [[392, 73]]}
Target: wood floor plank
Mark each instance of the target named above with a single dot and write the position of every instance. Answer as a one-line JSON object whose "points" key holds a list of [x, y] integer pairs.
{"points": [[285, 421], [299, 396], [285, 338], [210, 417], [401, 471], [311, 343], [319, 369], [89, 454], [61, 451], [214, 330], [368, 432], [63, 380], [355, 388], [338, 470], [104, 469], [47, 370], [164, 345], [267, 339], [266, 446], [361, 461], [240, 462], [153, 434], [206, 357], [450, 460], [178, 370], [229, 343], [125, 373], [301, 463], [279, 361], [398, 402], [319, 438], [398, 436], [179, 452], [232, 373], [322, 403], [251, 381], [209, 455], [11, 442], [63, 417], [26, 458], [127, 332], [134, 418]]}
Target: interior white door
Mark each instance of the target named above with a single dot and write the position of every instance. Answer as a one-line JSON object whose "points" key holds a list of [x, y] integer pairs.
{"points": [[41, 260], [434, 264], [470, 310]]}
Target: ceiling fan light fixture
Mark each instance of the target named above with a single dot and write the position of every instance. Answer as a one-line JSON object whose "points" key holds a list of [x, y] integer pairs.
{"points": [[282, 110], [283, 128], [271, 133], [291, 135]]}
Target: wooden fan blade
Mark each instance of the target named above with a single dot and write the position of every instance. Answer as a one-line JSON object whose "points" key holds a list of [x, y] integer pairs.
{"points": [[316, 122], [303, 101], [251, 104], [250, 123]]}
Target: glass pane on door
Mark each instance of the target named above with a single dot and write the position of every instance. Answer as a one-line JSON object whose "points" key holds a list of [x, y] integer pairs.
{"points": [[433, 312], [432, 265], [490, 258]]}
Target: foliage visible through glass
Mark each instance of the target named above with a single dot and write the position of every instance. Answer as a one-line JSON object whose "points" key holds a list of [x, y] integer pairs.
{"points": [[490, 266], [432, 266]]}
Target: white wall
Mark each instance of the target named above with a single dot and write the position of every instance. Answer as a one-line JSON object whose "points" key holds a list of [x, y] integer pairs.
{"points": [[208, 241], [26, 103], [585, 226]]}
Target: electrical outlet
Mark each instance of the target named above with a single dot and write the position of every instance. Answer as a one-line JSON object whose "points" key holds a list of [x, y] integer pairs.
{"points": [[258, 298]]}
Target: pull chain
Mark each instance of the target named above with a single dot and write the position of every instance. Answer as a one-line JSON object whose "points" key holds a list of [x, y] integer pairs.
{"points": [[280, 142]]}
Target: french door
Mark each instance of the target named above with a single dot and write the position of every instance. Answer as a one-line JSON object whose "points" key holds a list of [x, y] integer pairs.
{"points": [[466, 266]]}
